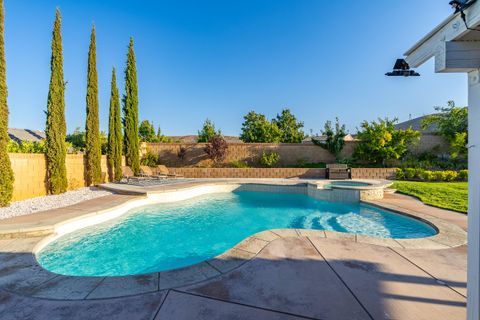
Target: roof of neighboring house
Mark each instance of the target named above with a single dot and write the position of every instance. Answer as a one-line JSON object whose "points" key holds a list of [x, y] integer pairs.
{"points": [[348, 137], [193, 139], [19, 135], [416, 124]]}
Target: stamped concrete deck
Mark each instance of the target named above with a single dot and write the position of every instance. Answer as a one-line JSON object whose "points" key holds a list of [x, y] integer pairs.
{"points": [[279, 274], [291, 278]]}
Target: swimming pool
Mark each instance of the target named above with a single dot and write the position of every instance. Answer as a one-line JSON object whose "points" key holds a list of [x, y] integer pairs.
{"points": [[169, 236]]}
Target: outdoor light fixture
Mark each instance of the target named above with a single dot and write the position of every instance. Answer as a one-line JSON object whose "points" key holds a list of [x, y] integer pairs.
{"points": [[402, 69], [461, 6]]}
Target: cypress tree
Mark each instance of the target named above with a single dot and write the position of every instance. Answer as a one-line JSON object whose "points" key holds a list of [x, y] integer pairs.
{"points": [[93, 151], [56, 128], [6, 172], [115, 133], [130, 112]]}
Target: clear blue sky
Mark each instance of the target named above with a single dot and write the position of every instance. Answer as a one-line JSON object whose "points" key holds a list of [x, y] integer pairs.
{"points": [[221, 59]]}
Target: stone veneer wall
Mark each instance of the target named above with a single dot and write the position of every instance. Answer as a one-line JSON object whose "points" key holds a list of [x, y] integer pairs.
{"points": [[30, 174]]}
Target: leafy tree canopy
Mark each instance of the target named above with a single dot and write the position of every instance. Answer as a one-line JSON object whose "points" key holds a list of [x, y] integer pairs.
{"points": [[335, 138], [257, 128], [78, 141], [208, 131], [452, 123], [290, 128], [146, 132], [381, 142]]}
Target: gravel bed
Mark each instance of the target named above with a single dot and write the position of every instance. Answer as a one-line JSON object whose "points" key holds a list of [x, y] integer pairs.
{"points": [[24, 207]]}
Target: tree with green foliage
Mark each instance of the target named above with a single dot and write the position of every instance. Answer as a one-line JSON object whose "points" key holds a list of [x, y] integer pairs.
{"points": [[290, 128], [93, 151], [26, 146], [114, 149], [257, 128], [452, 123], [77, 139], [146, 132], [381, 142], [130, 112], [56, 128], [6, 172], [335, 138], [208, 131], [161, 138]]}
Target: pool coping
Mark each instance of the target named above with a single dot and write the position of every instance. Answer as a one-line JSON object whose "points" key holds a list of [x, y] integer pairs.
{"points": [[26, 276]]}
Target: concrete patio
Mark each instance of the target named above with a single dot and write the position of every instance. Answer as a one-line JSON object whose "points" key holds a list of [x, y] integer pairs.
{"points": [[297, 275]]}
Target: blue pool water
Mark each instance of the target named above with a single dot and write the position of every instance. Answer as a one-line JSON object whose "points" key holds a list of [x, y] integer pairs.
{"points": [[169, 236]]}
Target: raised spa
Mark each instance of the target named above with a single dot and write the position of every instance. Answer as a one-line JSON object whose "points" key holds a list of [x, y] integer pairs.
{"points": [[169, 236]]}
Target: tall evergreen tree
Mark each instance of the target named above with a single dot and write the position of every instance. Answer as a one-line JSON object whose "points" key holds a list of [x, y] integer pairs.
{"points": [[115, 133], [56, 128], [93, 151], [130, 112], [6, 173]]}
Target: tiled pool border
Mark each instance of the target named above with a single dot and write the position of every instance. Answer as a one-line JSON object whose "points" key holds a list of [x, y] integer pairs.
{"points": [[25, 276]]}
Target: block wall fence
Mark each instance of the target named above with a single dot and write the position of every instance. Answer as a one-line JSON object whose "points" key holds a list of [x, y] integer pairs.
{"points": [[290, 153], [30, 174]]}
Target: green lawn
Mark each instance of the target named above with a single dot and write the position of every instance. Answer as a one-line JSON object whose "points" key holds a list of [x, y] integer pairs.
{"points": [[447, 195]]}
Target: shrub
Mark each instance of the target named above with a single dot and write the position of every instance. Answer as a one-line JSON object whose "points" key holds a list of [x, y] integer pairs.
{"points": [[439, 175], [380, 141], [269, 159], [216, 149], [419, 172], [450, 175], [410, 173], [463, 175], [399, 174], [427, 175], [182, 153], [150, 159], [26, 147], [239, 164]]}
